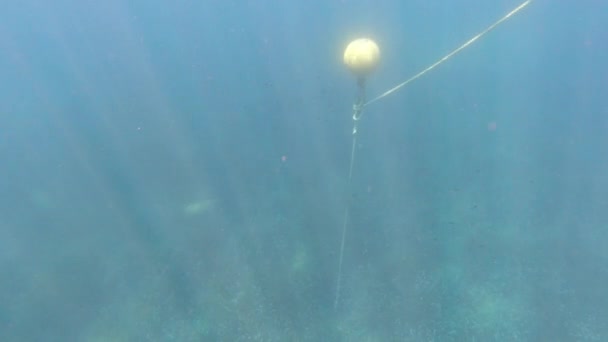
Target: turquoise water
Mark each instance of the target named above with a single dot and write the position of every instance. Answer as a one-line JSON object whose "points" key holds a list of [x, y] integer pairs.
{"points": [[178, 171]]}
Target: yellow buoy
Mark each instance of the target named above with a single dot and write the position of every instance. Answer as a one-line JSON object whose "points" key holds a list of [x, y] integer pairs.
{"points": [[361, 56]]}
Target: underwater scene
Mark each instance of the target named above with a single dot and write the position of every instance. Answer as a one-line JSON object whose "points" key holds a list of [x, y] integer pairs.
{"points": [[337, 170]]}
